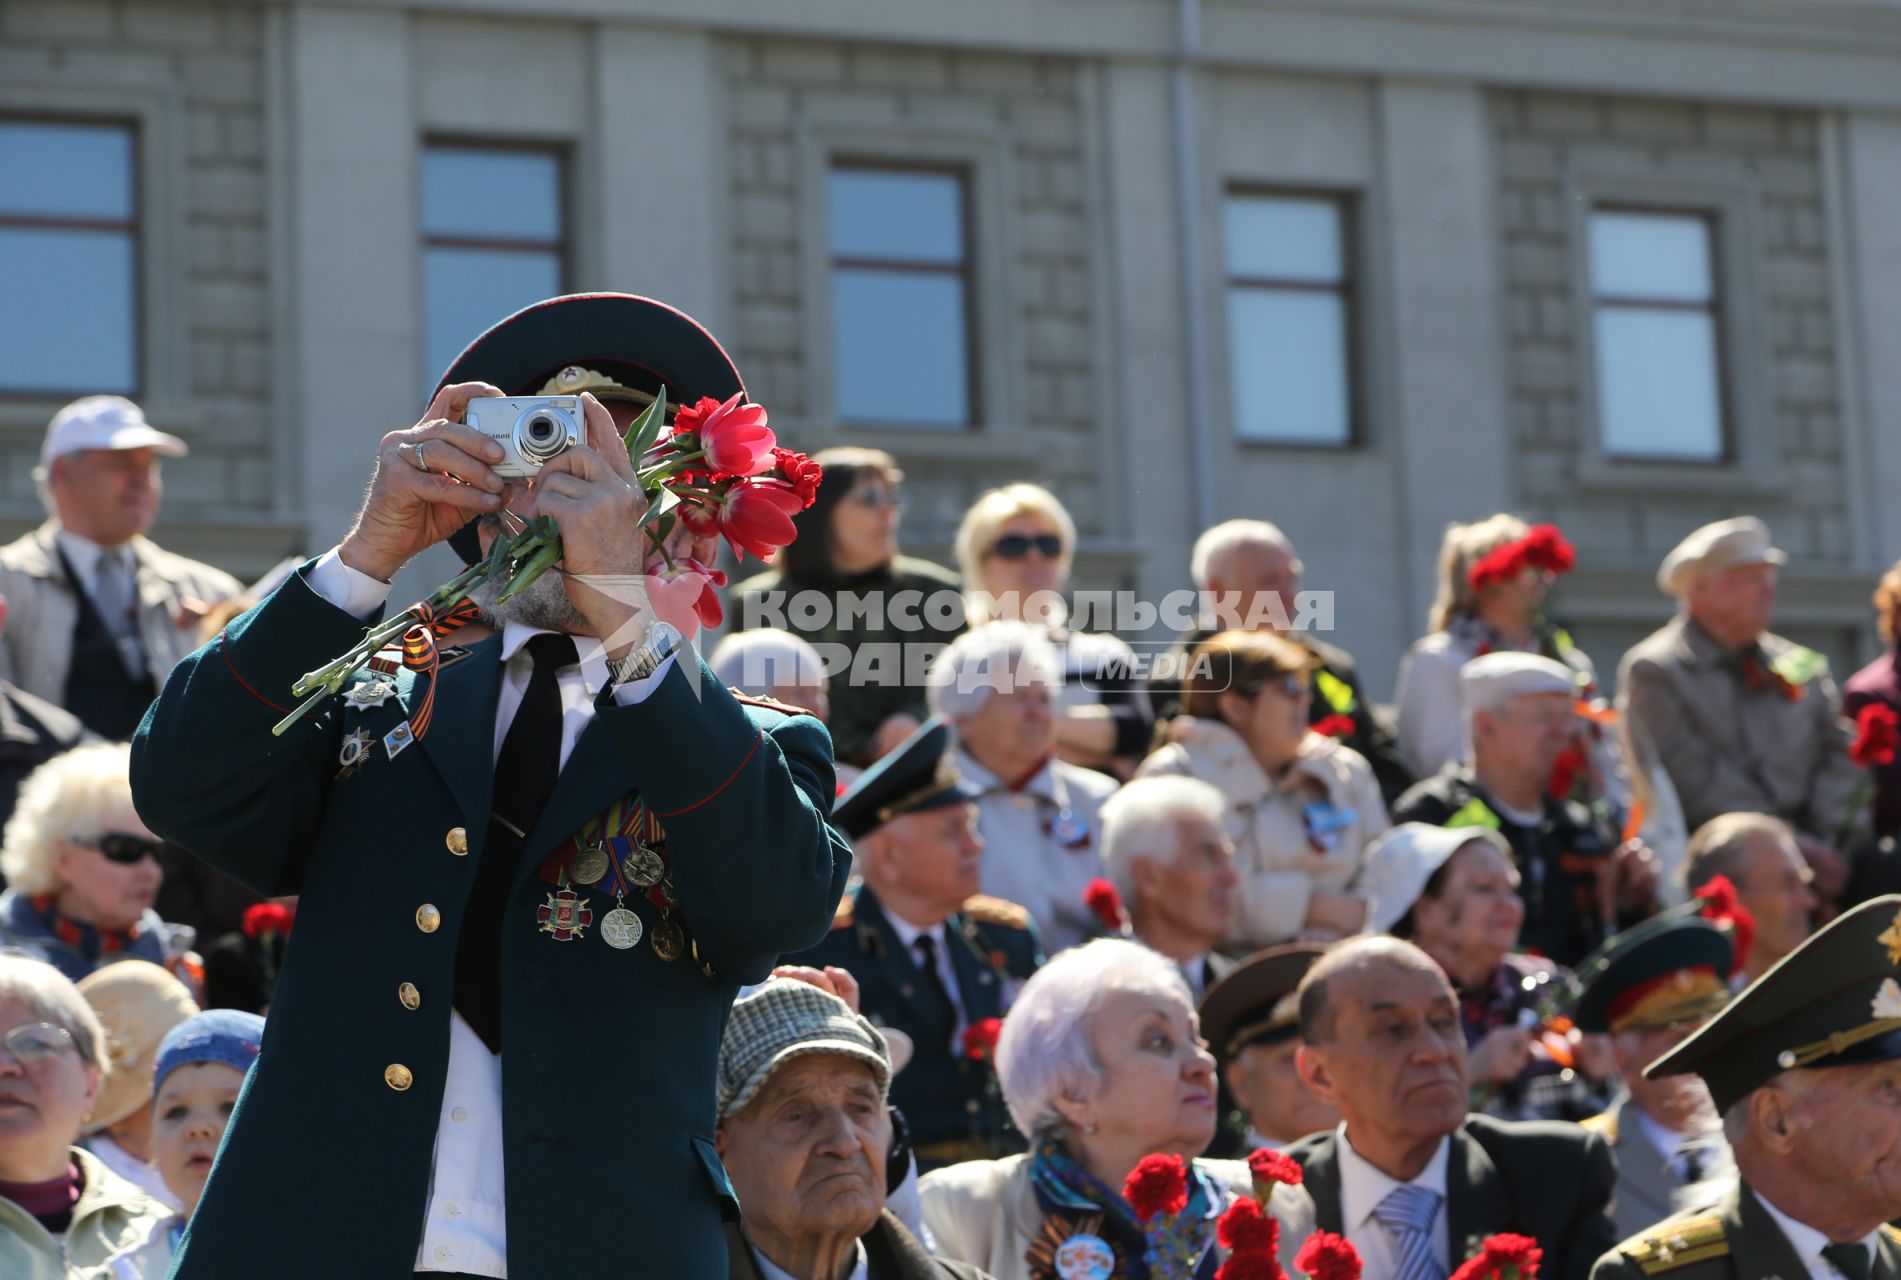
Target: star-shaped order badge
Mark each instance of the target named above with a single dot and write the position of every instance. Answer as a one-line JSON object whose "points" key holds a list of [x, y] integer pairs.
{"points": [[369, 693], [1892, 940], [355, 752]]}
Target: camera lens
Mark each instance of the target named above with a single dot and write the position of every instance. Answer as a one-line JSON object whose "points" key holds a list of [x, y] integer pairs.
{"points": [[542, 429], [541, 433]]}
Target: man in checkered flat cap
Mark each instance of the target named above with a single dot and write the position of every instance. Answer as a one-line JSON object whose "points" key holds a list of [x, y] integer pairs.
{"points": [[1805, 1067], [803, 1082]]}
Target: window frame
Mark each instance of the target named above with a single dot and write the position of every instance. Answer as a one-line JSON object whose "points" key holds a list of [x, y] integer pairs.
{"points": [[1347, 203], [135, 129], [1715, 307], [562, 152], [966, 271]]}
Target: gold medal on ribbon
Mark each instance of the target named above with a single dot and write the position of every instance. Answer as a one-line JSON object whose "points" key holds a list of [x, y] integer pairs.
{"points": [[588, 865], [621, 928], [669, 940], [644, 867]]}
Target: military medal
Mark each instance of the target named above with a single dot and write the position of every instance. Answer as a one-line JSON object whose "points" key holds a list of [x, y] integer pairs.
{"points": [[588, 865], [1068, 1248], [355, 752], [565, 915], [644, 866], [1085, 1257], [621, 928], [1069, 828], [669, 940], [370, 693], [398, 739]]}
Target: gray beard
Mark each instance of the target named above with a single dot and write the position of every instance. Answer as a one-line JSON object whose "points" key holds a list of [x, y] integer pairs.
{"points": [[544, 604]]}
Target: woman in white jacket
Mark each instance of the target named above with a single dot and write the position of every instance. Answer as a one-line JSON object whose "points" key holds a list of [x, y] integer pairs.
{"points": [[1301, 807]]}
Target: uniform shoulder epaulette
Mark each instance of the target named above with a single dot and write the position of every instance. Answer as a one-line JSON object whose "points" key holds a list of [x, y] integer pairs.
{"points": [[985, 909], [770, 704], [1892, 1232], [843, 916], [1603, 1122], [1671, 1245]]}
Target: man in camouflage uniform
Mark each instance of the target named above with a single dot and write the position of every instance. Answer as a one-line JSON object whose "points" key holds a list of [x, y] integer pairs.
{"points": [[1805, 1066]]}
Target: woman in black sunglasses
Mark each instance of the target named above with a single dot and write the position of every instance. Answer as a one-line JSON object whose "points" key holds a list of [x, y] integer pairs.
{"points": [[82, 870], [1015, 547]]}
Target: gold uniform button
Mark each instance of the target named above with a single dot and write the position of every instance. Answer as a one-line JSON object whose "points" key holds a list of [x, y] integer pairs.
{"points": [[458, 841], [428, 918], [411, 998], [398, 1077]]}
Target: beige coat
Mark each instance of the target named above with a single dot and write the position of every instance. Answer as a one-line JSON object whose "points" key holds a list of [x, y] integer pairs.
{"points": [[118, 1233], [1728, 749], [985, 1212], [1279, 867], [36, 646]]}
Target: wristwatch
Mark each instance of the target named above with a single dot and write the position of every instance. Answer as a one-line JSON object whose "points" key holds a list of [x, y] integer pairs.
{"points": [[663, 640]]}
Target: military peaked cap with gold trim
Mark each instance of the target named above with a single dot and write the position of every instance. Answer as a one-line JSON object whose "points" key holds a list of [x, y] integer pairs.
{"points": [[1666, 970], [1832, 1002], [1255, 1004], [916, 776]]}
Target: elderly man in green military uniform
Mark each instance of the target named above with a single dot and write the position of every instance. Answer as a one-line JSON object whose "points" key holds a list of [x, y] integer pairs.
{"points": [[446, 878], [933, 958], [1648, 989], [1805, 1066]]}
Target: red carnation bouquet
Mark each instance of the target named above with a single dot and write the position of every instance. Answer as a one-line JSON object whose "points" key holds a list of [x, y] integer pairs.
{"points": [[1543, 548], [716, 469], [267, 919], [1722, 907], [1877, 733], [1503, 1257], [980, 1039], [1105, 903], [1333, 726], [1252, 1236]]}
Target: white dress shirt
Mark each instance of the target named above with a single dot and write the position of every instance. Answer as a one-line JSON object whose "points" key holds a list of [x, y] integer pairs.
{"points": [[861, 1270], [908, 934], [465, 1226], [1363, 1187], [1809, 1243]]}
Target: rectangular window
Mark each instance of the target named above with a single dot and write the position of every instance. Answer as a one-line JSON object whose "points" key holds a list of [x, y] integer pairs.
{"points": [[494, 240], [69, 230], [901, 296], [1654, 301], [1290, 317]]}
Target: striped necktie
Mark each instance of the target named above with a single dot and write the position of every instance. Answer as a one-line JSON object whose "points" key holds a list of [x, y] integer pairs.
{"points": [[1408, 1212]]}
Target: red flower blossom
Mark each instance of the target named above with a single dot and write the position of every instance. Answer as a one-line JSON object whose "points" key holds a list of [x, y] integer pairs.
{"points": [[1875, 735], [1503, 1257], [1334, 726], [1546, 548], [733, 436], [1269, 1166], [268, 917], [1244, 1228], [800, 472], [1722, 907], [1100, 896], [1327, 1256], [1564, 772], [980, 1039], [1157, 1185], [1500, 564], [757, 517], [1250, 1266], [686, 598]]}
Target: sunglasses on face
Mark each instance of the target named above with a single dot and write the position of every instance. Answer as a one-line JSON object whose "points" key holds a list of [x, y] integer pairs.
{"points": [[36, 1042], [877, 498], [1015, 546], [117, 846], [1289, 685]]}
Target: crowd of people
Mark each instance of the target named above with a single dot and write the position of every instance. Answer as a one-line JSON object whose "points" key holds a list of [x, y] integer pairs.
{"points": [[1526, 954]]}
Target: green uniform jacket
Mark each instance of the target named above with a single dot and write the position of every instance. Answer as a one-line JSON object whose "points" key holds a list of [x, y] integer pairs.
{"points": [[1545, 1180], [877, 661], [1734, 1239], [945, 1096], [609, 1055]]}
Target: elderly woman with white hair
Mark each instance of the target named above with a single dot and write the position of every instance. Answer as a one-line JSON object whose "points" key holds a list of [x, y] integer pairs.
{"points": [[1015, 549], [1039, 816], [82, 869], [1101, 1063], [62, 1212]]}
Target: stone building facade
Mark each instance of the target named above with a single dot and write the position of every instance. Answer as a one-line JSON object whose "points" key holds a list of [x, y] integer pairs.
{"points": [[1099, 143]]}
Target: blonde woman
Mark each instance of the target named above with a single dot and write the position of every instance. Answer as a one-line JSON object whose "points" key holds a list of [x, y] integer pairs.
{"points": [[82, 870], [1015, 549], [1494, 575], [1301, 807]]}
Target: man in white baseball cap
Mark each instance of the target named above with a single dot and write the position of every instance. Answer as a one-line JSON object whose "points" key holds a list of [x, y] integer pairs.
{"points": [[1741, 719], [99, 614]]}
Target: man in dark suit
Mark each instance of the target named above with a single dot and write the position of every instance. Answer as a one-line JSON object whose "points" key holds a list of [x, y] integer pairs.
{"points": [[1414, 1182], [446, 878], [933, 959], [1805, 1067]]}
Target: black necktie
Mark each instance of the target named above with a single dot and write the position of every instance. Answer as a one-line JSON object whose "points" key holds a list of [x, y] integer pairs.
{"points": [[1849, 1259], [926, 947], [525, 774]]}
